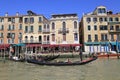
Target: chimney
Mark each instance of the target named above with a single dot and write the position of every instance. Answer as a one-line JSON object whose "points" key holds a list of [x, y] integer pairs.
{"points": [[17, 13], [6, 14]]}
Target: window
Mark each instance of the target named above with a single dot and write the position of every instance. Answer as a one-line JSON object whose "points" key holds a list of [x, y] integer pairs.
{"points": [[12, 35], [118, 37], [94, 19], [9, 40], [9, 27], [88, 20], [117, 28], [101, 10], [20, 19], [31, 20], [64, 25], [40, 19], [26, 38], [105, 19], [64, 37], [100, 19], [20, 40], [2, 27], [75, 24], [31, 39], [12, 40], [117, 19], [9, 35], [31, 29], [104, 37], [20, 35], [40, 28], [20, 27], [48, 38], [110, 19], [95, 27], [26, 28], [1, 41], [53, 37], [89, 38], [26, 20], [111, 28], [112, 37], [44, 37], [9, 19], [53, 26], [1, 19], [48, 26], [75, 36], [103, 27], [44, 26], [89, 28], [12, 27], [1, 35], [96, 37], [13, 20]]}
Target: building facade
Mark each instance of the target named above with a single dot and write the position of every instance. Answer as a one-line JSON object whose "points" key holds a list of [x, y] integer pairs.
{"points": [[99, 30], [64, 29], [37, 29], [11, 29]]}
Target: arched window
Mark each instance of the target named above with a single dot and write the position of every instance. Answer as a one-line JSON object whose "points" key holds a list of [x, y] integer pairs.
{"points": [[75, 24], [31, 39], [64, 25], [53, 26], [26, 38]]}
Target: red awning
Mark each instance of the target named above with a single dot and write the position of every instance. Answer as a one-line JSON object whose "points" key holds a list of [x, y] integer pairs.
{"points": [[33, 45], [73, 45], [4, 46]]}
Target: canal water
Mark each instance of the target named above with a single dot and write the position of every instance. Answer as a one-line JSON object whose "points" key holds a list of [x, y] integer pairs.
{"points": [[101, 69]]}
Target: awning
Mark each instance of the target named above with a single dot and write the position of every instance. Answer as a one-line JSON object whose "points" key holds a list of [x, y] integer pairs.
{"points": [[92, 43], [113, 43], [33, 45], [3, 46], [20, 44]]}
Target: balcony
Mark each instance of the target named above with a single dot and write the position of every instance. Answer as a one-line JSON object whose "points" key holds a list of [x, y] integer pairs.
{"points": [[31, 41], [104, 40], [46, 30], [75, 30], [114, 31], [96, 40], [53, 31], [46, 42], [63, 30], [89, 40]]}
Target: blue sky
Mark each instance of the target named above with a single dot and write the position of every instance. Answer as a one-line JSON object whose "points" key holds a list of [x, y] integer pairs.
{"points": [[48, 7]]}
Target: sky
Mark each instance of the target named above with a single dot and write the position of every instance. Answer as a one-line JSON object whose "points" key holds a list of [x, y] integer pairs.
{"points": [[49, 7]]}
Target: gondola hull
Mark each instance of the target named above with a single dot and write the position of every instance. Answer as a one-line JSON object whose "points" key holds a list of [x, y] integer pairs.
{"points": [[62, 63]]}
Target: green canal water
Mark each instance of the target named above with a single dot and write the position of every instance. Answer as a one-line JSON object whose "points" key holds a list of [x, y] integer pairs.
{"points": [[101, 69]]}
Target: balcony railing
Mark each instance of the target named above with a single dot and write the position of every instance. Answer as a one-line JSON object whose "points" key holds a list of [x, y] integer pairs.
{"points": [[31, 41], [63, 30], [89, 40], [104, 40], [46, 30], [46, 42], [75, 30]]}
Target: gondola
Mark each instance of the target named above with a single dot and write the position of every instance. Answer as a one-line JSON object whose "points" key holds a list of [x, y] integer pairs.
{"points": [[16, 59], [62, 63], [50, 58]]}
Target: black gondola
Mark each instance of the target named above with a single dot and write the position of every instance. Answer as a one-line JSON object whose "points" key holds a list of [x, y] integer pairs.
{"points": [[62, 63]]}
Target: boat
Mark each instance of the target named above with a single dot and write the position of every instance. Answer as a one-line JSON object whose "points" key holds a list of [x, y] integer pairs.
{"points": [[16, 59], [108, 55], [50, 58], [61, 63]]}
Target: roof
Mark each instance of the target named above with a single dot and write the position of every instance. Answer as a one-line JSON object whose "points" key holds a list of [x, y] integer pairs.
{"points": [[60, 15]]}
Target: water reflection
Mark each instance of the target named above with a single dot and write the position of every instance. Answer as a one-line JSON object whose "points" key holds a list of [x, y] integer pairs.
{"points": [[101, 69]]}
